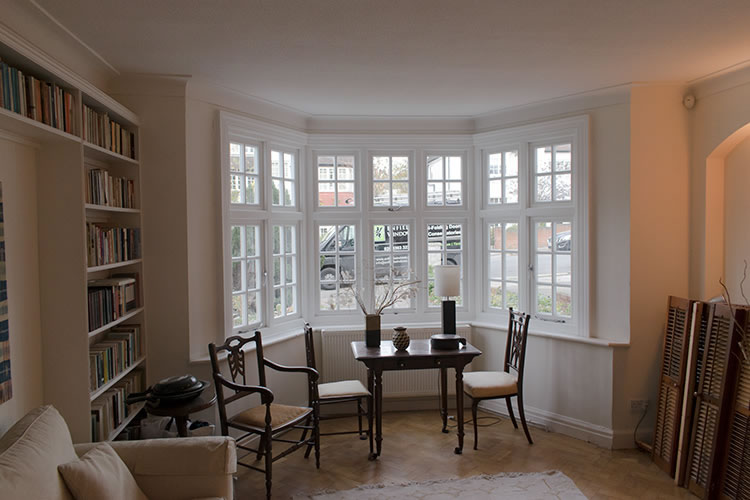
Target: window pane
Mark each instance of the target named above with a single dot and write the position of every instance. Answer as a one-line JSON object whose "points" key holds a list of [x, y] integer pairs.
{"points": [[276, 240], [454, 168], [400, 237], [435, 193], [511, 266], [325, 168], [401, 194], [496, 236], [496, 294], [276, 195], [277, 307], [563, 301], [251, 244], [291, 300], [381, 168], [234, 157], [511, 190], [252, 307], [251, 160], [453, 193], [544, 188], [562, 158], [562, 187], [288, 166], [453, 236], [275, 164], [289, 239], [544, 299], [511, 295], [381, 194], [496, 266], [328, 268], [252, 274], [238, 311], [236, 188], [562, 237], [251, 189], [494, 166], [511, 164], [290, 270], [400, 167], [327, 297], [326, 194], [345, 166], [562, 269], [435, 168], [346, 239], [236, 243], [543, 268], [289, 193], [434, 237], [237, 276], [511, 236], [346, 194], [433, 259], [496, 192], [347, 270], [277, 264], [543, 160], [544, 236]]}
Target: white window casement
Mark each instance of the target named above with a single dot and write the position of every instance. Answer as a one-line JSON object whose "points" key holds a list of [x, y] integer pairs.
{"points": [[391, 180], [336, 180], [262, 224], [338, 245], [445, 246], [445, 176], [535, 222]]}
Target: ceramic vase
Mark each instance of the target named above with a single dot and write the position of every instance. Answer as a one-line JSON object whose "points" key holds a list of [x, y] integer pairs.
{"points": [[401, 339], [372, 330]]}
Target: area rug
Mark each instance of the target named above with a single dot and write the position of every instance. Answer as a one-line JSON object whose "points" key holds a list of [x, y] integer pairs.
{"points": [[526, 486]]}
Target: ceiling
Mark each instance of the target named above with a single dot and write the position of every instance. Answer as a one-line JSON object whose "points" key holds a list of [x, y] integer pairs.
{"points": [[413, 57]]}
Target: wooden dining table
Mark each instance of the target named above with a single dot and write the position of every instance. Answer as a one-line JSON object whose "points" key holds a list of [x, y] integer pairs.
{"points": [[418, 356]]}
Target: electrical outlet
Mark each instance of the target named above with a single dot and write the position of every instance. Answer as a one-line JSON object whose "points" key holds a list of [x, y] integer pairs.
{"points": [[638, 404]]}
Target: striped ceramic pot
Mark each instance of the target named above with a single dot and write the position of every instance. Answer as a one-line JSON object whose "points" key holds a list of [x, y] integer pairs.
{"points": [[401, 339]]}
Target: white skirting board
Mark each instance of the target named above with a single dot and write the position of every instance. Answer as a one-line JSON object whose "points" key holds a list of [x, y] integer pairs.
{"points": [[579, 429]]}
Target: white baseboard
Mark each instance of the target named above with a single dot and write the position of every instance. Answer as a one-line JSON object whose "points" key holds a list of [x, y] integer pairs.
{"points": [[579, 429]]}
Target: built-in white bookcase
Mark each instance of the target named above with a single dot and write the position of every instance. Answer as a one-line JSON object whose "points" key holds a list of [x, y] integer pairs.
{"points": [[63, 162]]}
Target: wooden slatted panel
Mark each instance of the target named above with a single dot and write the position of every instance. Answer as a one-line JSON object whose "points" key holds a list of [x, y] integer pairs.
{"points": [[679, 312], [703, 442], [737, 474]]}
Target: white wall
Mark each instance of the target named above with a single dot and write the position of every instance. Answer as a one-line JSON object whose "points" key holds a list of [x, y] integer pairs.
{"points": [[18, 177], [736, 211]]}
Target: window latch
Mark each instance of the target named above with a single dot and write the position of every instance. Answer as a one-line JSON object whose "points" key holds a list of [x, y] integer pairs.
{"points": [[531, 267]]}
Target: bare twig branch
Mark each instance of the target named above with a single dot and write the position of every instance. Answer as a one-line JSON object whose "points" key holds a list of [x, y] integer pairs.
{"points": [[742, 283], [728, 299]]}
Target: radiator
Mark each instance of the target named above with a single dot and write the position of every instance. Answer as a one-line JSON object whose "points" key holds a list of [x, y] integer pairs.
{"points": [[338, 363]]}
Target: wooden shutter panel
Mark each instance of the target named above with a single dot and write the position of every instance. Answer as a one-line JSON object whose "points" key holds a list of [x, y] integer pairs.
{"points": [[736, 484], [671, 384], [714, 397]]}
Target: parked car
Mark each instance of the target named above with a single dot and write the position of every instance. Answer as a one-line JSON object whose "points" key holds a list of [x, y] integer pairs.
{"points": [[562, 241]]}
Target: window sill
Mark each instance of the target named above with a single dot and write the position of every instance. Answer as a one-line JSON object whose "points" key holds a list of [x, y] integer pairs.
{"points": [[277, 338], [557, 336]]}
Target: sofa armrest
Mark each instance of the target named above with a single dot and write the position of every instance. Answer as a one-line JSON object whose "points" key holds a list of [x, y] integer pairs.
{"points": [[179, 468]]}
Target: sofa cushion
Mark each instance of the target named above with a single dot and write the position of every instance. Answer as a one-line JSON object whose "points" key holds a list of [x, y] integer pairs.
{"points": [[100, 473], [30, 453]]}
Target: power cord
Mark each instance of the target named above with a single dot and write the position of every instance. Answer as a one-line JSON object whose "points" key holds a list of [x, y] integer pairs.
{"points": [[640, 444]]}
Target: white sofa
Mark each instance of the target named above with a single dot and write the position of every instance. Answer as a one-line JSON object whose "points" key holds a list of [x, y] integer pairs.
{"points": [[165, 469]]}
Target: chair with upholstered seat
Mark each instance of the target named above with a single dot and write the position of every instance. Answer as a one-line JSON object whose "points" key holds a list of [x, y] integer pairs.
{"points": [[508, 383], [352, 391], [268, 420]]}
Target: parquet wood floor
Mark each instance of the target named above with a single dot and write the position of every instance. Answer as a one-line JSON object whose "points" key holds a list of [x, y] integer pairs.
{"points": [[414, 449]]}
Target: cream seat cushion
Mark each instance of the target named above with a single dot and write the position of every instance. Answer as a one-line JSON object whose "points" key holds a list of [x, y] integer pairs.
{"points": [[344, 388], [490, 384], [100, 473], [280, 415], [30, 452]]}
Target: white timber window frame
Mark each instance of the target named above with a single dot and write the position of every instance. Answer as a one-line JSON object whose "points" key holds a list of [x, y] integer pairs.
{"points": [[264, 215], [529, 210]]}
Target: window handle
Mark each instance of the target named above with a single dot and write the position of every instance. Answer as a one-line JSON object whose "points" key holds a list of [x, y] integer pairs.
{"points": [[531, 267], [265, 278]]}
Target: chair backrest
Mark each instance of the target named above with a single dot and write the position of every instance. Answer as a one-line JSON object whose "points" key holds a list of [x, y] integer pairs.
{"points": [[515, 346], [309, 346], [236, 357]]}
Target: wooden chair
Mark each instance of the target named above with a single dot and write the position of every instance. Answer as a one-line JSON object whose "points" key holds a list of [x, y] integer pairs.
{"points": [[341, 392], [508, 383], [268, 420]]}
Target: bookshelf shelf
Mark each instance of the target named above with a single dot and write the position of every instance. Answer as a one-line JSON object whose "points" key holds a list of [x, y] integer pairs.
{"points": [[101, 390], [116, 322], [134, 410], [104, 208], [114, 265], [33, 130], [102, 154]]}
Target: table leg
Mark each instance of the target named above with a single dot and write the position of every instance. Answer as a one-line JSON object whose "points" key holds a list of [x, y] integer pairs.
{"points": [[460, 408], [181, 426], [379, 411], [371, 410], [444, 398]]}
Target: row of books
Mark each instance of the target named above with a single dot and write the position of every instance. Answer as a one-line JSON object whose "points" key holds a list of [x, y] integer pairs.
{"points": [[109, 410], [111, 298], [104, 189], [111, 244], [118, 352], [42, 101], [100, 129]]}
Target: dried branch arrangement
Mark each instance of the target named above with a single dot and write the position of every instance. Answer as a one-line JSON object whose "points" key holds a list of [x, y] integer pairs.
{"points": [[395, 292], [728, 300]]}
